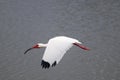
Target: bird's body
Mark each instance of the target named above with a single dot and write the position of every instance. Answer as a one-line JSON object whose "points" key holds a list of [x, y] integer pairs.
{"points": [[56, 48]]}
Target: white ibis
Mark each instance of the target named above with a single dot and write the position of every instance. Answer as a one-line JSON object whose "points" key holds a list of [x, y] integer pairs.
{"points": [[55, 49]]}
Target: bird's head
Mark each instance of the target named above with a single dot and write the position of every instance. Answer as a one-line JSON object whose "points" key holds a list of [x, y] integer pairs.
{"points": [[36, 46]]}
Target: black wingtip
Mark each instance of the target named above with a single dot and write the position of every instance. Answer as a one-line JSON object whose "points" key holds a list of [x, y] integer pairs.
{"points": [[54, 64], [45, 64]]}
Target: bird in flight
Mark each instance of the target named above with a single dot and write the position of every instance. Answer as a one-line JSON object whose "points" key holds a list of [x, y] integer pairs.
{"points": [[55, 49]]}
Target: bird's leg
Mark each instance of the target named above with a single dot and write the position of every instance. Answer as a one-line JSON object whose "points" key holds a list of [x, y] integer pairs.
{"points": [[81, 46]]}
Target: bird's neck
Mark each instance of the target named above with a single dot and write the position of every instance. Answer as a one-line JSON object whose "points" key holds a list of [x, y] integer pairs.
{"points": [[43, 45]]}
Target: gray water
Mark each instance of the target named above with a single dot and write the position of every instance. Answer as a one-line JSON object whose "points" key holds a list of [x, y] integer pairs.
{"points": [[24, 23]]}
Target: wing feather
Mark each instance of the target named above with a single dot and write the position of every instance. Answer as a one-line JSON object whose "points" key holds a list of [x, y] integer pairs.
{"points": [[56, 49]]}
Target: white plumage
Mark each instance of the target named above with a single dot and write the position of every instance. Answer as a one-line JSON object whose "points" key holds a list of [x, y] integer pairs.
{"points": [[55, 49]]}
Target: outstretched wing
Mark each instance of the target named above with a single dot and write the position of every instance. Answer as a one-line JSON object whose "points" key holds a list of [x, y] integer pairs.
{"points": [[54, 52]]}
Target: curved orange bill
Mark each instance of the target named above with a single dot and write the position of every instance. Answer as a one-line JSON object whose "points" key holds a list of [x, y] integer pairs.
{"points": [[28, 50], [34, 47]]}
